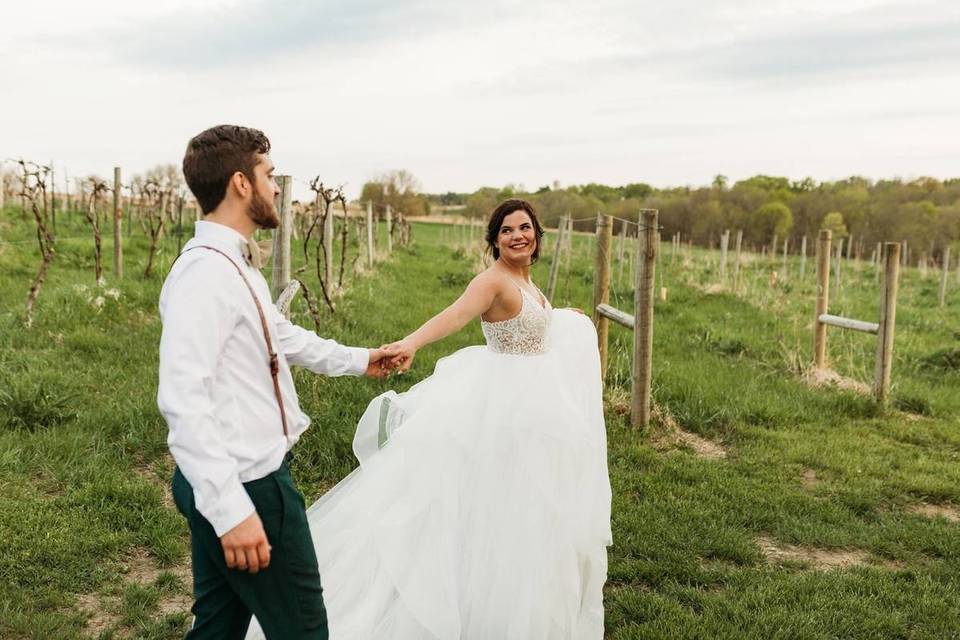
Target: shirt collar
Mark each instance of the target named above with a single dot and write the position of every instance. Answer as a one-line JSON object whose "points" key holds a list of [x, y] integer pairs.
{"points": [[222, 237]]}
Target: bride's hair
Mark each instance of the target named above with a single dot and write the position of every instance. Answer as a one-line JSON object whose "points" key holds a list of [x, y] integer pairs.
{"points": [[504, 209]]}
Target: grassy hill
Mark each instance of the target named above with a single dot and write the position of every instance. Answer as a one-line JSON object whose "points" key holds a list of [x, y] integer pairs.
{"points": [[756, 506]]}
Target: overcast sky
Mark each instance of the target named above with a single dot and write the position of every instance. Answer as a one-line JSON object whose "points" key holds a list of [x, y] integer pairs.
{"points": [[475, 94]]}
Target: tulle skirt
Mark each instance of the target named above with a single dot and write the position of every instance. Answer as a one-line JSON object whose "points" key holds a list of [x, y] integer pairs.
{"points": [[481, 506]]}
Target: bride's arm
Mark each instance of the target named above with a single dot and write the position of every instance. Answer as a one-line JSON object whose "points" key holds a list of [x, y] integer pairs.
{"points": [[475, 300]]}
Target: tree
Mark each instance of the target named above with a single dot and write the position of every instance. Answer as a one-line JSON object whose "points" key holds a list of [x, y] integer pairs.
{"points": [[834, 222], [482, 202], [773, 218], [399, 189]]}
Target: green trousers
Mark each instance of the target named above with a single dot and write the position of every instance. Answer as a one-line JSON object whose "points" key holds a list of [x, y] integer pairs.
{"points": [[286, 596]]}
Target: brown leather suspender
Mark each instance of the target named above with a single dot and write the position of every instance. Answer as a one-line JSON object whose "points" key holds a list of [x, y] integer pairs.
{"points": [[274, 363]]}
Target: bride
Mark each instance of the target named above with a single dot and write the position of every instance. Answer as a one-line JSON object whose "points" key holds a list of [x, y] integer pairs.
{"points": [[481, 506]]}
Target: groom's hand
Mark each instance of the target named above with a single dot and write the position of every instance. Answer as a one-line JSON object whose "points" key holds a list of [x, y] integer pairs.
{"points": [[245, 547], [379, 365]]}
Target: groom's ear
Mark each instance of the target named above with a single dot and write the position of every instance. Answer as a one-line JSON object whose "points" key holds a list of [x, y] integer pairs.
{"points": [[239, 185]]}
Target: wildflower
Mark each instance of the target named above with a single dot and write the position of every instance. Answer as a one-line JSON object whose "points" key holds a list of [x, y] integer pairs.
{"points": [[98, 303], [112, 293]]}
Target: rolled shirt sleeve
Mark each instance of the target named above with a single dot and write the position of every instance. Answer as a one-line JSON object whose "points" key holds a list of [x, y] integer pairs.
{"points": [[320, 355], [198, 317]]}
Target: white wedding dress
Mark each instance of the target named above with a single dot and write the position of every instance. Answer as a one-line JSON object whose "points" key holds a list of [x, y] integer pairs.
{"points": [[481, 506]]}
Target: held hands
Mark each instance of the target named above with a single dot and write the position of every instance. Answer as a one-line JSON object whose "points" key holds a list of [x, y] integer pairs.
{"points": [[245, 547], [397, 356], [401, 354], [379, 365]]}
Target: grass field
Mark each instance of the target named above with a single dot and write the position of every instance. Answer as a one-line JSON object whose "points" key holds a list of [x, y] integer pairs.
{"points": [[754, 507]]}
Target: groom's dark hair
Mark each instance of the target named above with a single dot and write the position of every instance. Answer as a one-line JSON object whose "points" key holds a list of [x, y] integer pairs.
{"points": [[214, 155], [504, 209]]}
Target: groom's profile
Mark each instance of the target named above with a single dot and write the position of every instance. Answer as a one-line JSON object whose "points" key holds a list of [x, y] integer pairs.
{"points": [[227, 395]]}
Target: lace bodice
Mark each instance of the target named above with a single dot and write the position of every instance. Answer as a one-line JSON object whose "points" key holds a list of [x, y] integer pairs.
{"points": [[525, 333]]}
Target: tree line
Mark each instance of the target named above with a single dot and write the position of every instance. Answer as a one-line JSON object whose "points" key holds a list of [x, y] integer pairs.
{"points": [[925, 212]]}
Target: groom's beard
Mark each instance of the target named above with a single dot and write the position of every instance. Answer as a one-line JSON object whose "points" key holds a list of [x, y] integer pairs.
{"points": [[263, 213]]}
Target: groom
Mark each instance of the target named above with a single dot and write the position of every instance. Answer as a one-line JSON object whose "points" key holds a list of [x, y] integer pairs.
{"points": [[227, 395]]}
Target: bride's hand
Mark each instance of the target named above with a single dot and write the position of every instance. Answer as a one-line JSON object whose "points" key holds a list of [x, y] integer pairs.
{"points": [[401, 354]]}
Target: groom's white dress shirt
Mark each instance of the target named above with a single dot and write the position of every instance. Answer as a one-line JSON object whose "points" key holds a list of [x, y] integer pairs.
{"points": [[215, 389]]}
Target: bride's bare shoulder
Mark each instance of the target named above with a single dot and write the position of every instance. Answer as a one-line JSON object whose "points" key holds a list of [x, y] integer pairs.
{"points": [[491, 279]]}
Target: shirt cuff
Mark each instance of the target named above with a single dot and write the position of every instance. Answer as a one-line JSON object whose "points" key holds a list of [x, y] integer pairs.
{"points": [[359, 359], [232, 508]]}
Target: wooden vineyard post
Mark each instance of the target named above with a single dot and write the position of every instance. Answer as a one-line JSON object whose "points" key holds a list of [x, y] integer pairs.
{"points": [[117, 231], [836, 264], [888, 317], [389, 230], [823, 297], [876, 269], [724, 241], [643, 313], [555, 263], [738, 260], [601, 286], [943, 276], [328, 247], [786, 250], [370, 233], [281, 237], [623, 240], [803, 257]]}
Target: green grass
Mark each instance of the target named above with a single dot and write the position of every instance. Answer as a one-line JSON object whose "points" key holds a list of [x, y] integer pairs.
{"points": [[83, 457]]}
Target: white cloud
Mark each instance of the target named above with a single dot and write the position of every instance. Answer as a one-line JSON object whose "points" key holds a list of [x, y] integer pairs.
{"points": [[485, 94]]}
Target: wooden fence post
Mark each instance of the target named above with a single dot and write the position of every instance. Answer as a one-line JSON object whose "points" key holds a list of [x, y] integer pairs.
{"points": [[555, 263], [643, 313], [601, 286], [888, 317], [943, 276], [370, 233], [281, 237], [823, 298], [117, 231]]}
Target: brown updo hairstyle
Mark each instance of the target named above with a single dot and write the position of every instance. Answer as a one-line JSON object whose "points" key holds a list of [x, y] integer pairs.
{"points": [[504, 209]]}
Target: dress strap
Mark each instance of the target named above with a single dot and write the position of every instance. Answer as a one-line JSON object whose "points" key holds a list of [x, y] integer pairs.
{"points": [[543, 304]]}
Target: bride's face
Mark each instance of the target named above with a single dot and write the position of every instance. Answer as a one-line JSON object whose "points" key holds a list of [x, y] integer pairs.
{"points": [[517, 238]]}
